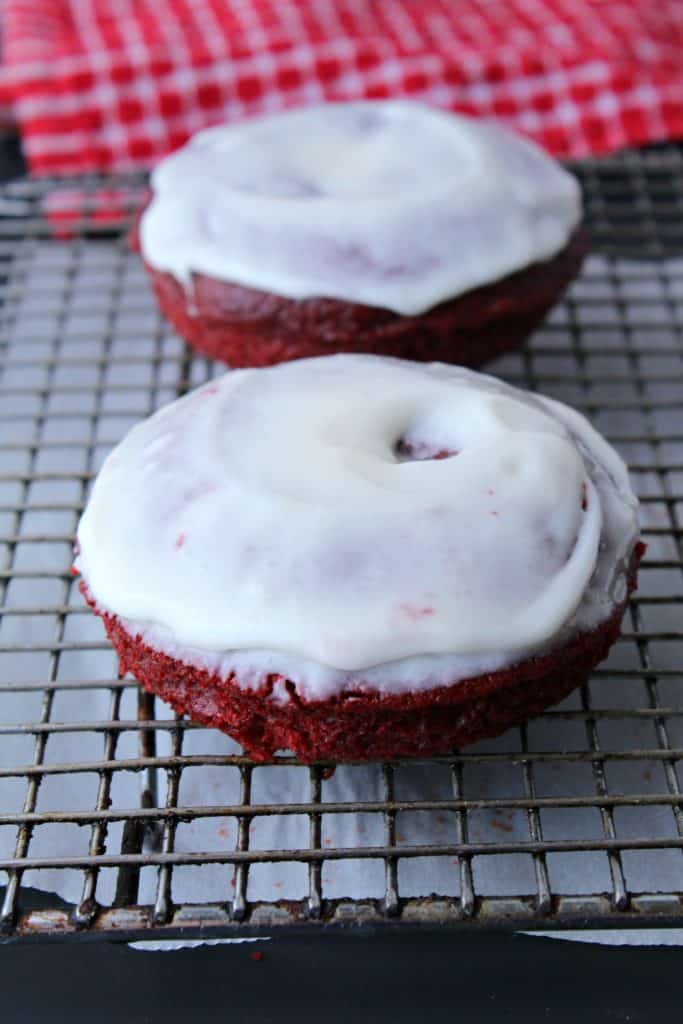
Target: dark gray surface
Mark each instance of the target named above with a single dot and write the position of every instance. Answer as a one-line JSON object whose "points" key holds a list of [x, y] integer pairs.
{"points": [[342, 979]]}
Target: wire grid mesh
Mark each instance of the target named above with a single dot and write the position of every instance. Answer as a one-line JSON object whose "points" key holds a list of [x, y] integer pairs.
{"points": [[573, 819]]}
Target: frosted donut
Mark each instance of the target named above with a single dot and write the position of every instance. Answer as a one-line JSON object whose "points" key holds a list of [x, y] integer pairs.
{"points": [[285, 547], [386, 227]]}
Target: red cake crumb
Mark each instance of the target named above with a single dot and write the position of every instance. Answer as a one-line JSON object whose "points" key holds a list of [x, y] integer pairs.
{"points": [[362, 726], [246, 327]]}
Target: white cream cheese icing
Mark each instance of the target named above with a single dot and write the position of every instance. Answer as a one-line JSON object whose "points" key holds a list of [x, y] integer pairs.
{"points": [[359, 518], [390, 204]]}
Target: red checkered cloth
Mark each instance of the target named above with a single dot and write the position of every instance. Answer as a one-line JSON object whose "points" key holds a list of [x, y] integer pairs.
{"points": [[116, 84]]}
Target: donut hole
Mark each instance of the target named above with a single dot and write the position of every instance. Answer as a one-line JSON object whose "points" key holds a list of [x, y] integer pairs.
{"points": [[420, 451]]}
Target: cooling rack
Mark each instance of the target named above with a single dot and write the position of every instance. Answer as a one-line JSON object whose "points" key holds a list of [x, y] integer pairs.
{"points": [[149, 826]]}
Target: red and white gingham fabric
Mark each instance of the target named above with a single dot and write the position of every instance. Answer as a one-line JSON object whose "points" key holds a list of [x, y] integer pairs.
{"points": [[116, 84]]}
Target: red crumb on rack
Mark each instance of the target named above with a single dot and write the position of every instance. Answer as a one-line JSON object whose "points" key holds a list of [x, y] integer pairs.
{"points": [[413, 612], [180, 540], [257, 955], [74, 571]]}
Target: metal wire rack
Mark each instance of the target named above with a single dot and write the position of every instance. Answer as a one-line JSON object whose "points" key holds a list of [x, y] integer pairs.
{"points": [[149, 826]]}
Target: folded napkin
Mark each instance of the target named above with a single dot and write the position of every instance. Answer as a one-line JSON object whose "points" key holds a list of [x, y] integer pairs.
{"points": [[115, 84]]}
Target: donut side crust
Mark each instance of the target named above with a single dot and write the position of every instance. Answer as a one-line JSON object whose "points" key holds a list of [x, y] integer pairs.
{"points": [[243, 326], [358, 725]]}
